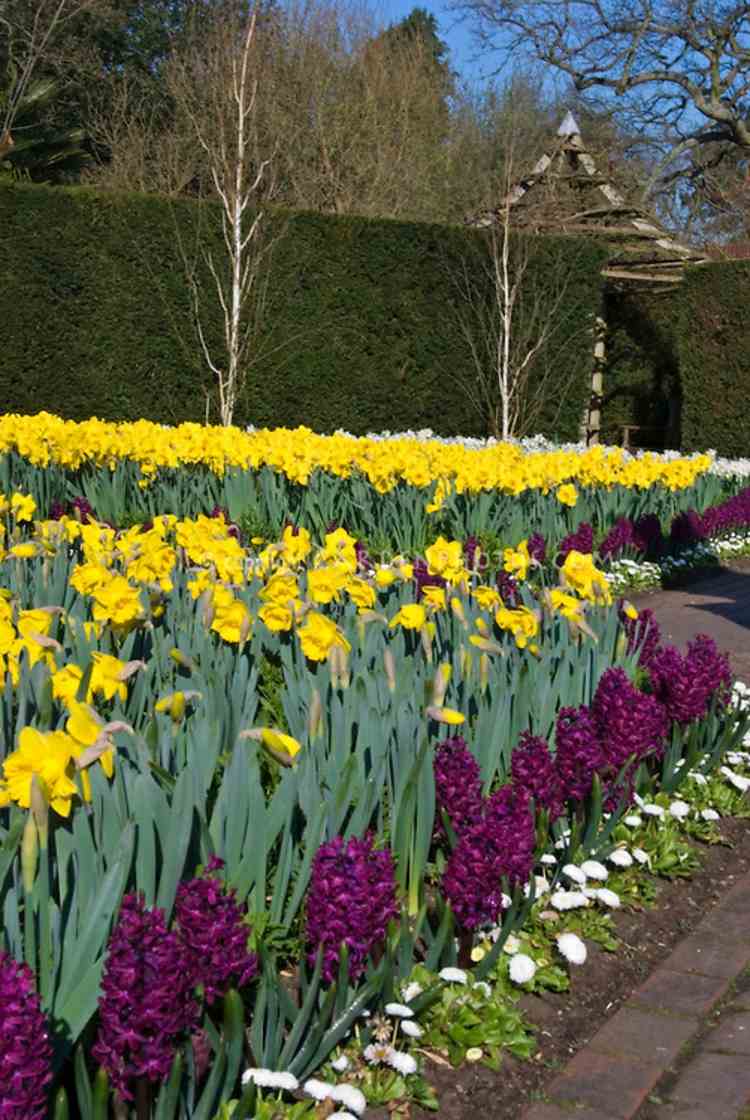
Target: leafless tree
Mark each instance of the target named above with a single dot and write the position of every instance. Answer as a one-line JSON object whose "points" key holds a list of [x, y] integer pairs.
{"points": [[682, 68], [515, 324], [214, 82]]}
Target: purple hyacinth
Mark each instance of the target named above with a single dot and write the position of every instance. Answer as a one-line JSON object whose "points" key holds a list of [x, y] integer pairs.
{"points": [[710, 667], [351, 899], [687, 684], [537, 547], [687, 529], [643, 633], [83, 510], [57, 510], [476, 558], [628, 722], [647, 535], [364, 564], [619, 537], [211, 928], [578, 752], [580, 541], [25, 1049], [508, 588], [423, 577], [534, 773], [458, 786], [499, 846], [147, 1002]]}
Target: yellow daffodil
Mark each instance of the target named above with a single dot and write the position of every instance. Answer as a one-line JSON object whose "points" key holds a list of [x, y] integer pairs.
{"points": [[412, 616], [318, 635], [23, 507], [567, 495], [48, 755]]}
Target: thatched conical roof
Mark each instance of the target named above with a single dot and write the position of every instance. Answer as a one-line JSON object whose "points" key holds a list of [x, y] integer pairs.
{"points": [[565, 193]]}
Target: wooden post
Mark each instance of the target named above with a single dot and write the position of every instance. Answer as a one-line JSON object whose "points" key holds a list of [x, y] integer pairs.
{"points": [[594, 425]]}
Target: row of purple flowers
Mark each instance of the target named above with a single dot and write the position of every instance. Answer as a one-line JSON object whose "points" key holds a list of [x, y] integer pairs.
{"points": [[157, 978]]}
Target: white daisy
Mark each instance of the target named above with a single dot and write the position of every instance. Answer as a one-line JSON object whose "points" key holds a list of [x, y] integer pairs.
{"points": [[572, 948], [592, 869], [679, 810], [270, 1079], [319, 1090], [548, 858], [640, 856], [411, 991], [568, 900], [351, 1097], [403, 1063], [620, 858], [608, 897], [340, 1064], [377, 1052], [632, 820], [710, 815], [512, 945], [452, 975], [576, 874], [522, 969], [412, 1029], [399, 1010], [653, 810]]}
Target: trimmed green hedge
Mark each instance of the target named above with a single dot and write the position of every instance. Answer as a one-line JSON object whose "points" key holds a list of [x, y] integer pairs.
{"points": [[641, 378], [714, 352], [361, 330]]}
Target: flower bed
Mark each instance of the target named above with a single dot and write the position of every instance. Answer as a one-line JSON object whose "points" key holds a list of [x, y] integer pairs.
{"points": [[272, 810]]}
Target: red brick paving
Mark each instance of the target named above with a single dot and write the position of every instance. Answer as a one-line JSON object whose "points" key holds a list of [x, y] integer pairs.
{"points": [[618, 1074]]}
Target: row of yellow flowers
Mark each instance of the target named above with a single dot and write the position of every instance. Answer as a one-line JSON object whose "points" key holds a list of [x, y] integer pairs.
{"points": [[44, 439], [123, 580]]}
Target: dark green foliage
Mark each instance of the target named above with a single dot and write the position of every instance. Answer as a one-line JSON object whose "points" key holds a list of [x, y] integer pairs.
{"points": [[641, 379], [361, 325], [713, 342]]}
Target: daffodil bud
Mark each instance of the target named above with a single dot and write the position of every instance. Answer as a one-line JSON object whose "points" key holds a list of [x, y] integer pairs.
{"points": [[40, 811], [440, 683], [484, 671], [426, 640], [173, 705], [445, 715], [315, 716], [389, 664], [458, 609], [338, 660], [29, 853], [181, 659]]}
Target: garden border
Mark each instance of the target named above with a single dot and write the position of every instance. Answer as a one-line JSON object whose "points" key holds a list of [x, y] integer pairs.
{"points": [[612, 1076]]}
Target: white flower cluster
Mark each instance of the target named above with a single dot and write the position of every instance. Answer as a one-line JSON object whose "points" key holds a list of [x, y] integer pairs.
{"points": [[625, 573]]}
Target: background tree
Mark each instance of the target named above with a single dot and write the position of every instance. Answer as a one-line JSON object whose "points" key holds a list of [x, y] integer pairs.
{"points": [[213, 81], [512, 314], [30, 31], [680, 70]]}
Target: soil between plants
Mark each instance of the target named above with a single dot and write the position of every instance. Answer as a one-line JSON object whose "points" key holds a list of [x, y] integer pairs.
{"points": [[566, 1021]]}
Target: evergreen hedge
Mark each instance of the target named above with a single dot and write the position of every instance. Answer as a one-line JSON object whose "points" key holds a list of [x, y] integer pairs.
{"points": [[713, 343], [641, 378], [360, 325]]}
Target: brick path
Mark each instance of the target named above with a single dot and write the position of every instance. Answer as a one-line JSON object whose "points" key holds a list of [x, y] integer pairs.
{"points": [[718, 605], [627, 1070], [666, 1055]]}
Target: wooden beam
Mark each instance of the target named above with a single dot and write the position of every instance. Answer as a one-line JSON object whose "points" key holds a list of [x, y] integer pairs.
{"points": [[628, 274]]}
